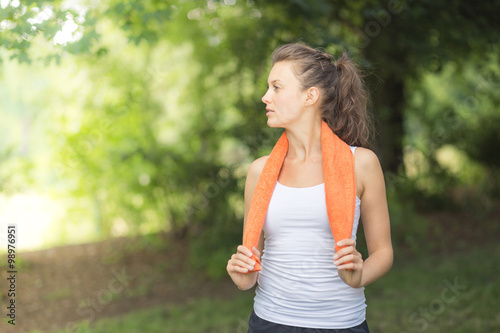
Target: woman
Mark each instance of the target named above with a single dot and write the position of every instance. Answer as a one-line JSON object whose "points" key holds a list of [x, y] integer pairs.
{"points": [[325, 292]]}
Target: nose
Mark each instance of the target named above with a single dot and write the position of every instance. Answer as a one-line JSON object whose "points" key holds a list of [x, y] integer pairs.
{"points": [[265, 98]]}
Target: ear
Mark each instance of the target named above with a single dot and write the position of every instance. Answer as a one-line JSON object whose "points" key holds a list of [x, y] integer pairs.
{"points": [[312, 96]]}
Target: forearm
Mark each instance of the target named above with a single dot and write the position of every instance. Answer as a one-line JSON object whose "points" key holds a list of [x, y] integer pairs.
{"points": [[376, 265]]}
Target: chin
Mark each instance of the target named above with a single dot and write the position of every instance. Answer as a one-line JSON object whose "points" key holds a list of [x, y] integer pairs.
{"points": [[273, 124]]}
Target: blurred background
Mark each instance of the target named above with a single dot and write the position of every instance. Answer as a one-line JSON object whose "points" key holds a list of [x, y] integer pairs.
{"points": [[127, 128]]}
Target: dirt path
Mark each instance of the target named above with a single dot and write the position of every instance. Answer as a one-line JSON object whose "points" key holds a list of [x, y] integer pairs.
{"points": [[64, 285]]}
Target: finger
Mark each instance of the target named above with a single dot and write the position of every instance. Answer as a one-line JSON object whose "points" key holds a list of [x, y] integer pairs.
{"points": [[244, 250], [347, 266], [344, 251], [345, 242], [245, 258], [345, 259], [239, 266], [238, 269], [256, 252], [244, 261]]}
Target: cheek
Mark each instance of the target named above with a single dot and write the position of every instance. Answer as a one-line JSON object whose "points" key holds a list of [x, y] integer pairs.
{"points": [[289, 102], [282, 99]]}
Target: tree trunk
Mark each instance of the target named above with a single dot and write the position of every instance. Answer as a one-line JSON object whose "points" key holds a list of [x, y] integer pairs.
{"points": [[388, 106], [387, 92]]}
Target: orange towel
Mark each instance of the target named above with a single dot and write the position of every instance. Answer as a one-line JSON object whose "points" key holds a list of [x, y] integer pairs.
{"points": [[340, 188]]}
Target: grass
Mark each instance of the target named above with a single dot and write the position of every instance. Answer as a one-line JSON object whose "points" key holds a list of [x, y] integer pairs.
{"points": [[58, 294], [202, 315], [434, 293], [443, 293]]}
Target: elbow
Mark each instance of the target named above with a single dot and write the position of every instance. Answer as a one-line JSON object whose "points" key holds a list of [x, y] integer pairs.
{"points": [[388, 255], [385, 258], [390, 258]]}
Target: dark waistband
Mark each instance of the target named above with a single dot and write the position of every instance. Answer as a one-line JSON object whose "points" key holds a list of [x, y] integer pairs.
{"points": [[259, 325]]}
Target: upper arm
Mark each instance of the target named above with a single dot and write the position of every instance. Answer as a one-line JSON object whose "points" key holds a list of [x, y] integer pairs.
{"points": [[253, 175], [374, 210]]}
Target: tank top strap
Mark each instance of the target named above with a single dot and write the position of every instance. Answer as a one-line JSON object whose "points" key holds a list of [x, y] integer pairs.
{"points": [[353, 148]]}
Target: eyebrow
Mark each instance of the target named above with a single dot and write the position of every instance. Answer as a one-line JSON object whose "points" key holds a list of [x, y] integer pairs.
{"points": [[275, 81]]}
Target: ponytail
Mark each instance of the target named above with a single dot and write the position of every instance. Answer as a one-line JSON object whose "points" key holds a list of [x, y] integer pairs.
{"points": [[347, 115]]}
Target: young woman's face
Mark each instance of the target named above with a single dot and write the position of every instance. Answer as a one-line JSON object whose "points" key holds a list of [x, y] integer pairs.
{"points": [[284, 98]]}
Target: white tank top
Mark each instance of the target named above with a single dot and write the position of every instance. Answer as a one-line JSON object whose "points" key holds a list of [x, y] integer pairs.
{"points": [[299, 284]]}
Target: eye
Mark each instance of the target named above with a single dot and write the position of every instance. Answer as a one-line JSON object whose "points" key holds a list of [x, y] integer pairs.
{"points": [[275, 87]]}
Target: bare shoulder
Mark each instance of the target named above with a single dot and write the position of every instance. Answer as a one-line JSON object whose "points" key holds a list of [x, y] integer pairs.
{"points": [[256, 167], [366, 160], [368, 171], [253, 175]]}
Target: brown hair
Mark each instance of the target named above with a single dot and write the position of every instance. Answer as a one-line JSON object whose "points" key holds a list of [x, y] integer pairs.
{"points": [[344, 101]]}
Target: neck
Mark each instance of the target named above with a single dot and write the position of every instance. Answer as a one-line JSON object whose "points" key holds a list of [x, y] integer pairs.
{"points": [[304, 140]]}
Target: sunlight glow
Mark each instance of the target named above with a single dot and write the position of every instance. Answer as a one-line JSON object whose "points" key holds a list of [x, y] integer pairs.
{"points": [[34, 215], [70, 32], [4, 3], [44, 15], [6, 24]]}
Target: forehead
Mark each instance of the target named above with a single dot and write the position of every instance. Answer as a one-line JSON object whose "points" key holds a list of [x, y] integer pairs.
{"points": [[282, 71]]}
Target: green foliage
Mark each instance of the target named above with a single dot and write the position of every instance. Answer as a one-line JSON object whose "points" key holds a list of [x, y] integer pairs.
{"points": [[29, 20], [109, 151], [408, 228], [450, 128], [14, 172]]}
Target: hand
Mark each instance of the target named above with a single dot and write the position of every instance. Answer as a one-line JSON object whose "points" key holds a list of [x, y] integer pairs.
{"points": [[240, 267], [349, 263]]}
